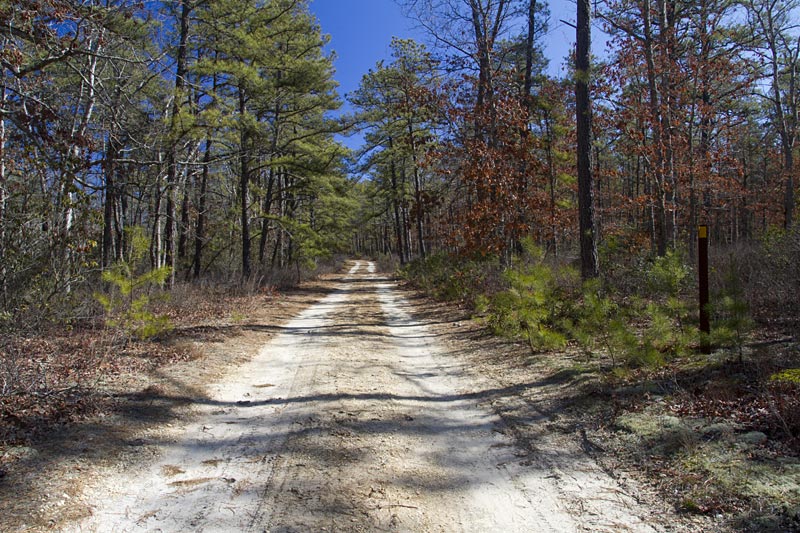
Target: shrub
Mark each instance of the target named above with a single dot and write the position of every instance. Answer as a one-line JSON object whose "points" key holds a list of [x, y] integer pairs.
{"points": [[128, 310], [642, 331], [449, 278], [537, 303], [532, 308], [667, 275], [768, 275], [545, 305], [603, 325], [731, 313], [784, 400], [128, 301]]}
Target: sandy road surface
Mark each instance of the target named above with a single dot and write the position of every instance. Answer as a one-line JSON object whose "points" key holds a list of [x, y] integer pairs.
{"points": [[353, 419]]}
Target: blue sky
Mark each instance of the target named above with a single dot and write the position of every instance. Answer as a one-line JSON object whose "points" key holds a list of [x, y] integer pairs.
{"points": [[361, 31]]}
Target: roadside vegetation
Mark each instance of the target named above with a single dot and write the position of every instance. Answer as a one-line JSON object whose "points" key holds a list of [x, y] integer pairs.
{"points": [[163, 167], [59, 372], [54, 375], [171, 164], [717, 433]]}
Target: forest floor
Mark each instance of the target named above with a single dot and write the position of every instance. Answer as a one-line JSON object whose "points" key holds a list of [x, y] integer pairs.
{"points": [[352, 404]]}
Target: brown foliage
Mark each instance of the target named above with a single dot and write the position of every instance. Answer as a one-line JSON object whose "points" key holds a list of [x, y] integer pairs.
{"points": [[508, 176], [59, 376]]}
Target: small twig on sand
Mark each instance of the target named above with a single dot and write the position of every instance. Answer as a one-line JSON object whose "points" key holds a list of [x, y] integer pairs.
{"points": [[396, 505]]}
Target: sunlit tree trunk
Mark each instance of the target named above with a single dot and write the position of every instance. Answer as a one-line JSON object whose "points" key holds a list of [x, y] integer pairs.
{"points": [[658, 167], [266, 208], [110, 203], [401, 247], [666, 42], [552, 178], [84, 110], [772, 22], [172, 155], [200, 229], [530, 39]]}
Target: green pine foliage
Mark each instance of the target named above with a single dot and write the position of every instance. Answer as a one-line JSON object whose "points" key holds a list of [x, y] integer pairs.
{"points": [[601, 325], [536, 305], [731, 314], [532, 308], [667, 275], [465, 281], [128, 301], [270, 110], [544, 304], [789, 375]]}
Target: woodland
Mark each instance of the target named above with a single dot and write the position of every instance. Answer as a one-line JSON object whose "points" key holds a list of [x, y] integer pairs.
{"points": [[206, 133], [150, 150]]}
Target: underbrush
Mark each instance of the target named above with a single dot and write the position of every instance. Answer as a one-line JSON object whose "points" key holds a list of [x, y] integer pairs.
{"points": [[61, 374], [447, 278], [59, 377], [544, 303], [717, 434], [768, 274], [58, 355], [643, 311]]}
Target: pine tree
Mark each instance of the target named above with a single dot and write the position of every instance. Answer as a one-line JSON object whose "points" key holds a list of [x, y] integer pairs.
{"points": [[274, 88]]}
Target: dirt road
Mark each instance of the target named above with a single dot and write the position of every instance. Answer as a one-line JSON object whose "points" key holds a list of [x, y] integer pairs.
{"points": [[352, 418]]}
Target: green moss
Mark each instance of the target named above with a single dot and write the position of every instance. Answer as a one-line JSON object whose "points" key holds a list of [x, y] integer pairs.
{"points": [[732, 469], [790, 375]]}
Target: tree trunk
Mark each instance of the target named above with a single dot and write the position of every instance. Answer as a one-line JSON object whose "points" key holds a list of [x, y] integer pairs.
{"points": [[401, 249], [244, 182], [200, 229], [658, 168], [486, 27], [277, 249], [666, 16], [265, 210], [788, 199], [417, 190], [788, 133], [155, 234], [109, 207], [589, 261], [172, 156], [80, 125], [183, 227], [529, 41], [552, 180]]}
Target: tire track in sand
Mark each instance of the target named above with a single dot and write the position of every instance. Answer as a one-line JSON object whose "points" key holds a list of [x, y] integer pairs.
{"points": [[352, 419]]}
